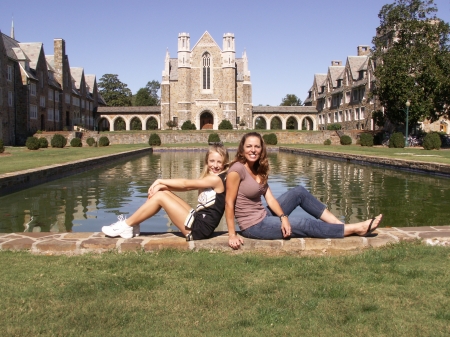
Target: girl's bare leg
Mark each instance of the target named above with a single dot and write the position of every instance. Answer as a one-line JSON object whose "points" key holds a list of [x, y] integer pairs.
{"points": [[176, 208], [329, 217], [361, 228]]}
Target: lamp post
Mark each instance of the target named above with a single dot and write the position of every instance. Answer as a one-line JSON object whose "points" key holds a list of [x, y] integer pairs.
{"points": [[408, 103]]}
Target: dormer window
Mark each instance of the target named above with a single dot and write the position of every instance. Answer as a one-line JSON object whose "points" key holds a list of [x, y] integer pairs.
{"points": [[339, 83], [322, 89], [361, 75], [309, 94]]}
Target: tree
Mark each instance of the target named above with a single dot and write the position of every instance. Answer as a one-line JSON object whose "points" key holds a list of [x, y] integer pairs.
{"points": [[411, 54], [114, 92], [260, 123], [147, 96], [291, 100]]}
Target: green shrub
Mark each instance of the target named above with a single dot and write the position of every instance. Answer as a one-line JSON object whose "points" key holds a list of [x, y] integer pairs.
{"points": [[327, 142], [90, 141], [366, 139], [334, 126], [225, 125], [103, 141], [213, 138], [397, 140], [43, 143], [154, 140], [432, 141], [345, 140], [270, 139], [39, 131], [2, 147], [76, 142], [188, 125], [32, 143], [58, 141]]}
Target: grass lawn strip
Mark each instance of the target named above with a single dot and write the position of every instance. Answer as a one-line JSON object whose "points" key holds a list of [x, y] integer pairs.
{"points": [[400, 290]]}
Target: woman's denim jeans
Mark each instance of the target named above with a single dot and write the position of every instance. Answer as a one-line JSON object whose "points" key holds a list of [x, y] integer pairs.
{"points": [[270, 227]]}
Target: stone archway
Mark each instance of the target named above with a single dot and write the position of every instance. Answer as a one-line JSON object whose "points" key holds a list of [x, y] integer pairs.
{"points": [[307, 124], [206, 120], [103, 124], [291, 123], [276, 124]]}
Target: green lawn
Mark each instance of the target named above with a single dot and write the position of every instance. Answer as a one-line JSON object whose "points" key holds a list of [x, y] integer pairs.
{"points": [[400, 290], [417, 154]]}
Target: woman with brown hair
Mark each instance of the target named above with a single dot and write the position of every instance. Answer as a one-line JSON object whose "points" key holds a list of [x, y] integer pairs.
{"points": [[247, 182]]}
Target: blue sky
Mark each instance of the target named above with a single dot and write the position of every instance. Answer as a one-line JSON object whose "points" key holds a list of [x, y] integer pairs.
{"points": [[287, 42]]}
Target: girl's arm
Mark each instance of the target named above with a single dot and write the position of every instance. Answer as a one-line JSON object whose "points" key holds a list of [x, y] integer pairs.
{"points": [[276, 208], [233, 181], [212, 181]]}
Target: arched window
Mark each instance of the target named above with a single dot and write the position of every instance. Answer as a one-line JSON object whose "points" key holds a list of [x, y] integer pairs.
{"points": [[206, 71]]}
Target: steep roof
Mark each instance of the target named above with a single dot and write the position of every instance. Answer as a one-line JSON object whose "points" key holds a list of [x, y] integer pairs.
{"points": [[32, 50], [356, 64], [77, 75], [336, 73], [319, 80], [90, 82], [9, 44], [207, 37]]}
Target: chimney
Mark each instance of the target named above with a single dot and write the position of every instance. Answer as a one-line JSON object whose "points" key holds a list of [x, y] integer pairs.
{"points": [[59, 47], [363, 50], [336, 63]]}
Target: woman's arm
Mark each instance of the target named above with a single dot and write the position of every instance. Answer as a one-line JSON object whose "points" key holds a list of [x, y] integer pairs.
{"points": [[210, 181], [233, 181], [276, 208]]}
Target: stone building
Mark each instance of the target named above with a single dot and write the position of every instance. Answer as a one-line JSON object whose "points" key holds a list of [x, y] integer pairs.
{"points": [[342, 95], [206, 84], [42, 92]]}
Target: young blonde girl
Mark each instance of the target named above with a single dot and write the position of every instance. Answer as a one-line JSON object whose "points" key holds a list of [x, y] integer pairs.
{"points": [[194, 224]]}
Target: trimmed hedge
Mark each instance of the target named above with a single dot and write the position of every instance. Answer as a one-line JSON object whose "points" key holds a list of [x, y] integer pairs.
{"points": [[32, 143], [188, 125], [327, 142], [76, 142], [366, 139], [213, 138], [432, 141], [270, 139], [43, 143], [154, 140], [397, 140], [2, 147], [58, 141], [334, 126], [103, 141], [225, 125], [90, 141], [346, 140]]}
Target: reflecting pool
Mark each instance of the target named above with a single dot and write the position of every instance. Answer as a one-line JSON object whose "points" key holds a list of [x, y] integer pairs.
{"points": [[88, 201]]}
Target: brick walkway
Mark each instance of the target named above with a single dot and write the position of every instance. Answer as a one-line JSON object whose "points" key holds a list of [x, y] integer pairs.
{"points": [[80, 243]]}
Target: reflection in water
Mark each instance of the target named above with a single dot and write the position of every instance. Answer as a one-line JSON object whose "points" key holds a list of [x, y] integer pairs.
{"points": [[90, 200]]}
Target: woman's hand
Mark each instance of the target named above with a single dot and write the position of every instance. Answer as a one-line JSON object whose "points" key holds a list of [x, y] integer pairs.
{"points": [[286, 227], [235, 241], [153, 189]]}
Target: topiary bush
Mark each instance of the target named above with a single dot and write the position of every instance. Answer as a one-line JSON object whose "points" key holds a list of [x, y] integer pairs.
{"points": [[188, 125], [90, 141], [2, 147], [43, 143], [225, 125], [213, 138], [397, 140], [270, 139], [58, 141], [345, 140], [32, 143], [76, 142], [366, 139], [432, 141], [103, 141], [334, 126], [154, 140], [327, 142]]}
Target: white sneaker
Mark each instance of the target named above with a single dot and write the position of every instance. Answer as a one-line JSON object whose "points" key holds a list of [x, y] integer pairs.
{"points": [[120, 228]]}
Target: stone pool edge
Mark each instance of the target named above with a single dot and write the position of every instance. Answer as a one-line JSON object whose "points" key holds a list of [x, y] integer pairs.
{"points": [[81, 242], [432, 168], [16, 181]]}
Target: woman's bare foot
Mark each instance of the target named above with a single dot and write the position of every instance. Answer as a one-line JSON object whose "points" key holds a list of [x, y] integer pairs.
{"points": [[363, 228]]}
